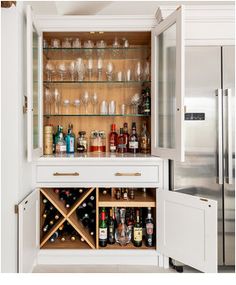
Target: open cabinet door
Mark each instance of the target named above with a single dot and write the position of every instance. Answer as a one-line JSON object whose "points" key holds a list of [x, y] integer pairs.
{"points": [[188, 229], [34, 88], [28, 232], [168, 87]]}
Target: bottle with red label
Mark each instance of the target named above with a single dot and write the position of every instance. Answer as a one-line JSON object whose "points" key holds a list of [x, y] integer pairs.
{"points": [[113, 137], [149, 238]]}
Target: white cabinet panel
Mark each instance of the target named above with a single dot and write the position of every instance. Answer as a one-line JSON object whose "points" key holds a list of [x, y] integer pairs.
{"points": [[28, 232], [188, 229]]}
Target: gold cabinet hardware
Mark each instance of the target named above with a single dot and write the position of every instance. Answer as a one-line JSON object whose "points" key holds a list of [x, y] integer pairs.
{"points": [[127, 174], [204, 200], [65, 174]]}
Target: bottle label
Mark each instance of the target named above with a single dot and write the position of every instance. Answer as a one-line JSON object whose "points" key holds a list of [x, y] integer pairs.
{"points": [[103, 233], [138, 234], [112, 147], [149, 228], [71, 145], [133, 145]]}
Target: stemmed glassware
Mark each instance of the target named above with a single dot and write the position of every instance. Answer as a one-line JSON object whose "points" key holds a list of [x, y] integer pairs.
{"points": [[85, 101], [147, 71], [90, 67], [66, 105], [109, 71], [76, 103], [62, 70], [57, 100], [94, 101], [50, 70], [135, 102], [72, 70], [48, 100], [80, 68], [138, 71], [100, 64]]}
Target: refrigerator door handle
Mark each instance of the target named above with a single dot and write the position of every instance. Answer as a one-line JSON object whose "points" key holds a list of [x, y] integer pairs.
{"points": [[228, 94], [220, 136]]}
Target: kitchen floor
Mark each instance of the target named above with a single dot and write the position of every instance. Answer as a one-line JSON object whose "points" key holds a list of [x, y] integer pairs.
{"points": [[115, 269]]}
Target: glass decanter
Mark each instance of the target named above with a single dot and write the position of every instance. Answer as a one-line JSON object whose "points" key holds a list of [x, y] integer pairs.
{"points": [[122, 234]]}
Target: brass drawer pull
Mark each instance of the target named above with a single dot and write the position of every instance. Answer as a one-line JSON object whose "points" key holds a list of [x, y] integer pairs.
{"points": [[65, 174], [127, 174]]}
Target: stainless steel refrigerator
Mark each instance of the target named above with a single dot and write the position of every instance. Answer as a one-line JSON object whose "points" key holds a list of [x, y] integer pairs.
{"points": [[209, 167]]}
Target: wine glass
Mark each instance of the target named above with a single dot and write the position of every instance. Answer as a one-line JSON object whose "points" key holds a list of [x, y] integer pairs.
{"points": [[62, 70], [85, 101], [76, 104], [94, 101], [90, 67], [99, 65], [71, 68], [66, 104], [135, 102], [57, 100], [80, 68], [50, 70], [147, 71], [48, 101], [138, 71], [109, 71]]}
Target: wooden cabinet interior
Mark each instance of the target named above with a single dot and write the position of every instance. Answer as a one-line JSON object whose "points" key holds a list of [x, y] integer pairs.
{"points": [[69, 216], [119, 91]]}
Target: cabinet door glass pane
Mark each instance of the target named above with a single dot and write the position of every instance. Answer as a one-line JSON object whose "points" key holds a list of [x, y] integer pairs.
{"points": [[35, 92], [166, 62]]}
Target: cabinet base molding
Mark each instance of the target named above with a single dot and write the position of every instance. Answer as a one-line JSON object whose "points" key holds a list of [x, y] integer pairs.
{"points": [[101, 257]]}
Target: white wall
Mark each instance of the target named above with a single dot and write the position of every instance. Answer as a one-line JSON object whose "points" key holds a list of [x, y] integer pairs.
{"points": [[15, 171]]}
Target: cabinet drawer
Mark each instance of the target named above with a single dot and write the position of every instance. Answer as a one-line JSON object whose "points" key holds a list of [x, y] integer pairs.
{"points": [[98, 174]]}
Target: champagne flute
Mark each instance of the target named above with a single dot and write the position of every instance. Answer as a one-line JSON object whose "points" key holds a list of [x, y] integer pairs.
{"points": [[57, 100], [109, 71], [62, 70], [99, 65], [94, 101], [50, 70], [85, 101], [138, 71], [72, 68], [48, 100], [90, 67]]}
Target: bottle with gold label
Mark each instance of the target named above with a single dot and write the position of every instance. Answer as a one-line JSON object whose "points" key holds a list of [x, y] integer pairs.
{"points": [[145, 140], [48, 140], [138, 231]]}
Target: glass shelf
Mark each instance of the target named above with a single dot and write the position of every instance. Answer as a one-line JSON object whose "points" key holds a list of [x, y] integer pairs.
{"points": [[96, 115], [141, 47], [95, 82]]}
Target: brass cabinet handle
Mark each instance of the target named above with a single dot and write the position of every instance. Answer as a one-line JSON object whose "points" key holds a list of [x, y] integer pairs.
{"points": [[127, 174], [65, 174]]}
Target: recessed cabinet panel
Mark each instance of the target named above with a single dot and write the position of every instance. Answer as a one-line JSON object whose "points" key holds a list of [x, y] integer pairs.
{"points": [[168, 88]]}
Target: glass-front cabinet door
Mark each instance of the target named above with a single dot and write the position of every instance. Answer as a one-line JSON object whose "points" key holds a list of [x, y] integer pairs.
{"points": [[168, 87], [34, 78]]}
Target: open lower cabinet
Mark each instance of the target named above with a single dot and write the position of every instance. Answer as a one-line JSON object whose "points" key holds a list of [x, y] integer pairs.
{"points": [[185, 227]]}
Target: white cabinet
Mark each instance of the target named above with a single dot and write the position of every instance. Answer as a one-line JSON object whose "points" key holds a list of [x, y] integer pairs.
{"points": [[182, 221]]}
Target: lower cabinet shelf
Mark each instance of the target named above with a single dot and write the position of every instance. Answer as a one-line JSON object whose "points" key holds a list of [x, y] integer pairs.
{"points": [[69, 217]]}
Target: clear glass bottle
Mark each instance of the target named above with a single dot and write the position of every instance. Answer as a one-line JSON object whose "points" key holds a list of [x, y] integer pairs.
{"points": [[61, 144], [145, 140], [82, 142], [122, 234]]}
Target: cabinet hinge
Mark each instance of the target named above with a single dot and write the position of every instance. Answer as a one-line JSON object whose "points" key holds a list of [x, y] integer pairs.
{"points": [[25, 106], [16, 210]]}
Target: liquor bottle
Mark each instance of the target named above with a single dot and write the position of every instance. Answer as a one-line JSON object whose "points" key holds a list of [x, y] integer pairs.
{"points": [[113, 137], [121, 142], [133, 140], [149, 236], [111, 228], [45, 201], [146, 106], [145, 140], [85, 220], [125, 193], [130, 222], [70, 126], [61, 145], [138, 232], [126, 135], [118, 194], [59, 130], [70, 142], [54, 237], [103, 229]]}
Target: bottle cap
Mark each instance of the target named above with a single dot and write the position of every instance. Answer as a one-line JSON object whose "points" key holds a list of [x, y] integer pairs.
{"points": [[113, 127], [81, 133]]}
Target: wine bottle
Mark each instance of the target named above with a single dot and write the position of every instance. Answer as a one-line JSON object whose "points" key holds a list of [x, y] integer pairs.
{"points": [[103, 229], [133, 140], [149, 237], [54, 237], [130, 222], [45, 201], [137, 231], [57, 191], [85, 220], [111, 228]]}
